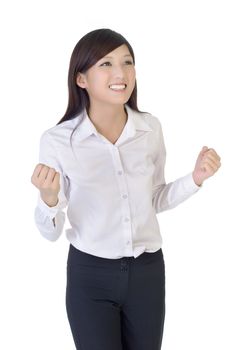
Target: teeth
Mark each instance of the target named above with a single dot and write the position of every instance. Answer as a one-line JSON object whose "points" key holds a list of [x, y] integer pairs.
{"points": [[117, 87]]}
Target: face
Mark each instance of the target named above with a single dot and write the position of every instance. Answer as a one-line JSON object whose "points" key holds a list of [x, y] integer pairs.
{"points": [[115, 68]]}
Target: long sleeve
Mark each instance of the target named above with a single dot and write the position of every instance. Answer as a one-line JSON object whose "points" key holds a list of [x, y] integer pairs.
{"points": [[167, 196], [43, 214]]}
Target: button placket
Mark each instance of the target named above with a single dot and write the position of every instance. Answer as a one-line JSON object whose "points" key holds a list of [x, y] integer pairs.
{"points": [[123, 192]]}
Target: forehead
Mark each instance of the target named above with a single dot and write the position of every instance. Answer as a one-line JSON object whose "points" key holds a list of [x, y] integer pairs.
{"points": [[121, 51]]}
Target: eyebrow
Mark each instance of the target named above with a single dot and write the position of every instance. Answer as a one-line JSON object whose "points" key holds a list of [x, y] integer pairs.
{"points": [[112, 57]]}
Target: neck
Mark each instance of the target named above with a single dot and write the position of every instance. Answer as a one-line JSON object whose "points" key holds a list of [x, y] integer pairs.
{"points": [[107, 118]]}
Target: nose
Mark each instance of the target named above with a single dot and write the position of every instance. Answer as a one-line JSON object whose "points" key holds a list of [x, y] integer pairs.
{"points": [[118, 71]]}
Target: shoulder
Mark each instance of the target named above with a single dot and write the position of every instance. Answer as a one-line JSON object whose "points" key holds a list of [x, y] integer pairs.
{"points": [[62, 128], [59, 133], [152, 120]]}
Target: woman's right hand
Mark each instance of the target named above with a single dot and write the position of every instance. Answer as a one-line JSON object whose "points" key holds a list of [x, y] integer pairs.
{"points": [[46, 179]]}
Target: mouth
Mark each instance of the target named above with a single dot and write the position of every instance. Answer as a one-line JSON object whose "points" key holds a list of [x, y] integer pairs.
{"points": [[118, 87]]}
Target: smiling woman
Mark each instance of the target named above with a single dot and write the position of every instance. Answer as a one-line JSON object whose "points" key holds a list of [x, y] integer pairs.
{"points": [[112, 179]]}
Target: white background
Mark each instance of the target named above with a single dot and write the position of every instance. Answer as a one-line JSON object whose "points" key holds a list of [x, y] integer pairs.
{"points": [[185, 75]]}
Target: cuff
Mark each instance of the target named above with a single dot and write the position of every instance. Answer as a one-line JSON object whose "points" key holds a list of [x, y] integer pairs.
{"points": [[190, 184], [49, 211]]}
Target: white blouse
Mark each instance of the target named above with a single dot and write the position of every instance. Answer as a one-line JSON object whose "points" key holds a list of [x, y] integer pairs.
{"points": [[112, 192]]}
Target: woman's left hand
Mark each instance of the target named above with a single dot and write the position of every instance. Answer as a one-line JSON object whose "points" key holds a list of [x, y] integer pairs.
{"points": [[208, 162]]}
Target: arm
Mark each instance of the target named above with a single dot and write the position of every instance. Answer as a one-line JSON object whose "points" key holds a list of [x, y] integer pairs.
{"points": [[50, 219], [167, 196]]}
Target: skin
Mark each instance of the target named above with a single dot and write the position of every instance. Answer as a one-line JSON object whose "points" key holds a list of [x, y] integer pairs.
{"points": [[106, 106], [207, 164]]}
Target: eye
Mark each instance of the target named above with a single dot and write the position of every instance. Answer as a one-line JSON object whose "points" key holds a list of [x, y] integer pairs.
{"points": [[104, 63], [109, 62]]}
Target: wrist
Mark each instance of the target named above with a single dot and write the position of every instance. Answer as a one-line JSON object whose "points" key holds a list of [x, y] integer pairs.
{"points": [[51, 202], [197, 181]]}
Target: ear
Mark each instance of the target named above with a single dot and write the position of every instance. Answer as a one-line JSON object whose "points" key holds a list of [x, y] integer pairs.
{"points": [[80, 80]]}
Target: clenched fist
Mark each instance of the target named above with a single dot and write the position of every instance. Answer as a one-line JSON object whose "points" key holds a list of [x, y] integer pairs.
{"points": [[207, 164], [46, 179]]}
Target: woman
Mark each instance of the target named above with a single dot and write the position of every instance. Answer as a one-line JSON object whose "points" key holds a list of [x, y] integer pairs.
{"points": [[105, 160]]}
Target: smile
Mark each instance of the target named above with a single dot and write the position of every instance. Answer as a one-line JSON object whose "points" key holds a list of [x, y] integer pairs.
{"points": [[119, 87]]}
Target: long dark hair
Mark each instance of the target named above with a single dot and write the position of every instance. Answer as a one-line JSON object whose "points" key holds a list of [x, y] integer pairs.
{"points": [[89, 49]]}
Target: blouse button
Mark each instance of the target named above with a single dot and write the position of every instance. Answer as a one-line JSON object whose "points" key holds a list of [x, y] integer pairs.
{"points": [[124, 196], [120, 172]]}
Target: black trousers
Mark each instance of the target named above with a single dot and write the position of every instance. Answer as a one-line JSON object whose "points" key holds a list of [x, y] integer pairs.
{"points": [[116, 304]]}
